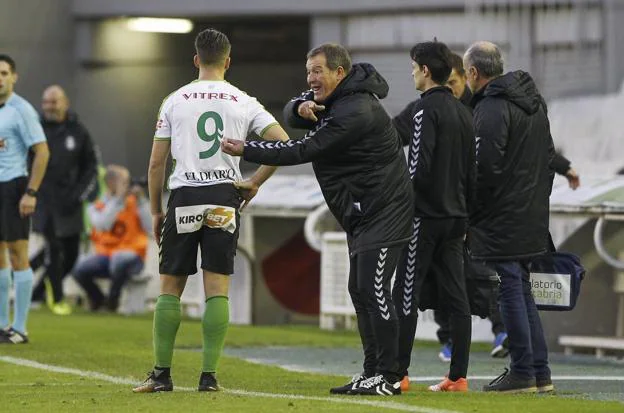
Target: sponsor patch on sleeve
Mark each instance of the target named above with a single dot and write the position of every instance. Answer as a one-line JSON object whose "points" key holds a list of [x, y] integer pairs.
{"points": [[192, 218]]}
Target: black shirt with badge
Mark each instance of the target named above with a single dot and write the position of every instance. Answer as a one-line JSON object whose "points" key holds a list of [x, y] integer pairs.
{"points": [[70, 178]]}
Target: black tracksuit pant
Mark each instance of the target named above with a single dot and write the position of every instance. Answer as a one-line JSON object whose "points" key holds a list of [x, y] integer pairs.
{"points": [[370, 276], [440, 241], [59, 257]]}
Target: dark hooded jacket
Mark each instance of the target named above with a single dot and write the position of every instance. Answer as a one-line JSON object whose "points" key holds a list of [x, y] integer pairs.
{"points": [[357, 159], [514, 177]]}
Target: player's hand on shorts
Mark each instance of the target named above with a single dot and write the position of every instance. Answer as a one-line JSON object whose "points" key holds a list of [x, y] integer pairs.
{"points": [[308, 108], [232, 147], [248, 189], [157, 221], [27, 205]]}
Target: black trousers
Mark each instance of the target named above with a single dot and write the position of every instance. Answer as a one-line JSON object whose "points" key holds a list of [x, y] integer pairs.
{"points": [[438, 241], [370, 276], [59, 257]]}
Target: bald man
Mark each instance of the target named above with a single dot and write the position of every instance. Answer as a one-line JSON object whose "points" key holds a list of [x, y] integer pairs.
{"points": [[509, 225], [70, 179]]}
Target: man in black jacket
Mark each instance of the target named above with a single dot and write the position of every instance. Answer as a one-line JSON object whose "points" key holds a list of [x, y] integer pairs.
{"points": [[361, 169], [562, 166], [500, 348], [510, 223], [442, 167], [70, 178]]}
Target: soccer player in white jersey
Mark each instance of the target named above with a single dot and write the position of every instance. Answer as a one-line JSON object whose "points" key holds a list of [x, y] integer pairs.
{"points": [[20, 131], [207, 191]]}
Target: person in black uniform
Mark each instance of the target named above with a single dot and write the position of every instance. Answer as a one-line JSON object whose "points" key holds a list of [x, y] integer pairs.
{"points": [[442, 166], [69, 180], [500, 348], [359, 164]]}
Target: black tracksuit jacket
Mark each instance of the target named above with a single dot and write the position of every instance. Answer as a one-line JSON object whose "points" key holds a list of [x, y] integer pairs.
{"points": [[441, 162], [357, 159], [515, 170]]}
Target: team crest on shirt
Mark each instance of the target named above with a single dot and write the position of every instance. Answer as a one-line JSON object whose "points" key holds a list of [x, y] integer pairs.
{"points": [[3, 145], [192, 218], [70, 143]]}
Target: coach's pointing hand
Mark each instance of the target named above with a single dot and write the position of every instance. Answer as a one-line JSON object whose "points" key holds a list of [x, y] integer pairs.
{"points": [[232, 146], [307, 109]]}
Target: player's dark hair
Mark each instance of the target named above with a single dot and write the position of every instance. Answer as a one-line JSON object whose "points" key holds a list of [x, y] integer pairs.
{"points": [[436, 56], [212, 47]]}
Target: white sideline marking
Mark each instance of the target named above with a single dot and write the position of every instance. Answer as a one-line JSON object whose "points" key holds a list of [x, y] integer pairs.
{"points": [[39, 384], [130, 381], [304, 369]]}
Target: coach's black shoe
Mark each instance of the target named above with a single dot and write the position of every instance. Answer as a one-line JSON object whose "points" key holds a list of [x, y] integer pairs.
{"points": [[155, 383], [377, 386], [12, 336], [544, 385], [352, 385], [508, 383], [207, 382]]}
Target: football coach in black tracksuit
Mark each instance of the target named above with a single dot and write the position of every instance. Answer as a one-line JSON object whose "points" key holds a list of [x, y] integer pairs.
{"points": [[70, 179], [442, 166], [361, 169]]}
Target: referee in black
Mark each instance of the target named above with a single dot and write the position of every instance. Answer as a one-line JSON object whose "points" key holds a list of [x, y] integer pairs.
{"points": [[442, 167]]}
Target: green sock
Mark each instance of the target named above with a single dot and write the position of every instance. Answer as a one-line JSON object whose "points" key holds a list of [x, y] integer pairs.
{"points": [[214, 327], [166, 322]]}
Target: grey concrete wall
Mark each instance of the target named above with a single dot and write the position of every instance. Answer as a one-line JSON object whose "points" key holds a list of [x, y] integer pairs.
{"points": [[98, 8], [38, 35], [614, 32]]}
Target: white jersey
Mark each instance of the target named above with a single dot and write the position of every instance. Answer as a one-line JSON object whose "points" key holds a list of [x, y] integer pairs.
{"points": [[196, 118]]}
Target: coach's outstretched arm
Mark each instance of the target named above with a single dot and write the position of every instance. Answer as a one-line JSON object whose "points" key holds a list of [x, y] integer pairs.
{"points": [[331, 134], [249, 188]]}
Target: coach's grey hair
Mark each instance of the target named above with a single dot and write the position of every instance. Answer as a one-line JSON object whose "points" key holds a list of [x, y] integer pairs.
{"points": [[486, 58]]}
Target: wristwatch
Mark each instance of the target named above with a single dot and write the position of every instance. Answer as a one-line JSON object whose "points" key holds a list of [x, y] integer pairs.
{"points": [[31, 192]]}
